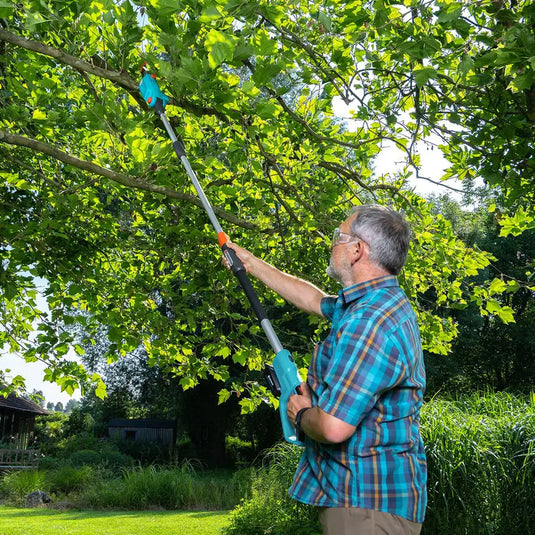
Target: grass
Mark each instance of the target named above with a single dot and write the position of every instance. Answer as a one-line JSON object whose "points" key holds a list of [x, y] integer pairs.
{"points": [[481, 462], [15, 521]]}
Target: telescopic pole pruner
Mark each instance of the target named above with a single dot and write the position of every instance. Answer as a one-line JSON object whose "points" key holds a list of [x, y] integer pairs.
{"points": [[282, 376]]}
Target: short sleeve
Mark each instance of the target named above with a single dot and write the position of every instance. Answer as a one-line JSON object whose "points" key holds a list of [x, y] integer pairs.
{"points": [[327, 305]]}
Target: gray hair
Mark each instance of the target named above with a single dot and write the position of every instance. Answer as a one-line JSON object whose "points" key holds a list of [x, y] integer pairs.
{"points": [[386, 232]]}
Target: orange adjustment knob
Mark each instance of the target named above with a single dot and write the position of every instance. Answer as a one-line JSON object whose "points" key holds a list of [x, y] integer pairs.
{"points": [[222, 238], [153, 76], [149, 100]]}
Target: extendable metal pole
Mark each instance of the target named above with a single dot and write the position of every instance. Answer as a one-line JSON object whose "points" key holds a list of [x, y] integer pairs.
{"points": [[283, 378]]}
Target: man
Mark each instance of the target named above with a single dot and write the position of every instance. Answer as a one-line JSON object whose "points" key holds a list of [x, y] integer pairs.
{"points": [[364, 463]]}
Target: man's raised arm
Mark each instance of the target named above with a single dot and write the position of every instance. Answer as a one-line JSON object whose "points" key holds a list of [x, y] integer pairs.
{"points": [[299, 292]]}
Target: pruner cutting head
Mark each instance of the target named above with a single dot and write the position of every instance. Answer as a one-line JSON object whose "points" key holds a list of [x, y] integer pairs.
{"points": [[150, 91]]}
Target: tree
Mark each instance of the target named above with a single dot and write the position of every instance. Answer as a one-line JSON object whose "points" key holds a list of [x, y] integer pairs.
{"points": [[489, 353], [38, 397], [71, 405], [95, 203]]}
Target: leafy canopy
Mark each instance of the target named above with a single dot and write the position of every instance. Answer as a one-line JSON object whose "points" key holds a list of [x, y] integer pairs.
{"points": [[95, 204]]}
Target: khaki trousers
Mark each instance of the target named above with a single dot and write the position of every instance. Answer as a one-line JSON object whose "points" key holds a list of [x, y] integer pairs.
{"points": [[357, 521]]}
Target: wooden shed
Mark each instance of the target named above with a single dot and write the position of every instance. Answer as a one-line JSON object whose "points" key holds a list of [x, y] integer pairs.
{"points": [[143, 430], [17, 420]]}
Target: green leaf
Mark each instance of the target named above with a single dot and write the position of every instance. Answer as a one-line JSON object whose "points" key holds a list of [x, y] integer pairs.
{"points": [[38, 115], [423, 75], [248, 405], [166, 8], [187, 382], [522, 81], [265, 72], [100, 390], [450, 12], [220, 46], [265, 45], [325, 21], [6, 9], [517, 224], [250, 89], [223, 396], [266, 110], [33, 20], [497, 286], [465, 65], [240, 357], [506, 57], [486, 59], [210, 13], [505, 313], [223, 352], [10, 291], [115, 334]]}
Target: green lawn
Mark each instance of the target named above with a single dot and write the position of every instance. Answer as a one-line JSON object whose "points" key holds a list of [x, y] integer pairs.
{"points": [[15, 521]]}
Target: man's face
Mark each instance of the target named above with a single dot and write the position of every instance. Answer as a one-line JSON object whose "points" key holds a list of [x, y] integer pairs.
{"points": [[339, 264]]}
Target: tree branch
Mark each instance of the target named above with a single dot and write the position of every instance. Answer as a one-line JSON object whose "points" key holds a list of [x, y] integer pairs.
{"points": [[317, 59], [120, 178], [120, 78]]}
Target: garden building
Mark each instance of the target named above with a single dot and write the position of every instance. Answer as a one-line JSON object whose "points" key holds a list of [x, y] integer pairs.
{"points": [[161, 432], [17, 420]]}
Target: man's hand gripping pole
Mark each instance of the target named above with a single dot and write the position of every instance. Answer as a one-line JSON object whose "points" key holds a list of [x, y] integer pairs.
{"points": [[282, 377]]}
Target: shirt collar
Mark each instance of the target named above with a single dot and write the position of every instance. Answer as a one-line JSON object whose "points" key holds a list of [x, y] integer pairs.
{"points": [[352, 293]]}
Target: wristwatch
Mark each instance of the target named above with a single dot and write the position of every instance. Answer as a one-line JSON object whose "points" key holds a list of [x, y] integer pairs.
{"points": [[298, 416]]}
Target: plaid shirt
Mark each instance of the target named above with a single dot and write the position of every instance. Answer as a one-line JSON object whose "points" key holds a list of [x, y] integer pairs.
{"points": [[368, 372]]}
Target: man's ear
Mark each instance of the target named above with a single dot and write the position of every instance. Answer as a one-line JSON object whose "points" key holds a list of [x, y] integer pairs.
{"points": [[356, 251]]}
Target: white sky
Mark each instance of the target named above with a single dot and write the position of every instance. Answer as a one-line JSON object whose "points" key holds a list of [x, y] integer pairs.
{"points": [[33, 372]]}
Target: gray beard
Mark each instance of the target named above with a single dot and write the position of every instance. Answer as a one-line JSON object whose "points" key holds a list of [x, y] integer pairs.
{"points": [[334, 273]]}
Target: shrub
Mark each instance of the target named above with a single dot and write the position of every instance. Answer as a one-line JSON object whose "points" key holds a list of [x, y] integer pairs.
{"points": [[177, 488], [50, 463], [75, 443], [69, 479], [113, 459], [17, 485], [49, 432], [480, 454], [270, 509], [145, 452], [239, 452], [85, 457]]}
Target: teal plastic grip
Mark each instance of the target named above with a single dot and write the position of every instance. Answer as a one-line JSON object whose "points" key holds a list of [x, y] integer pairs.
{"points": [[150, 91], [289, 381]]}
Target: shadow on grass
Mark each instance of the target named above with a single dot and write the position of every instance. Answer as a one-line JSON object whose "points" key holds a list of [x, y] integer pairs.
{"points": [[88, 514]]}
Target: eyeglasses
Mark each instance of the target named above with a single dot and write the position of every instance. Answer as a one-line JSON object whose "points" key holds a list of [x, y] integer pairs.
{"points": [[340, 237]]}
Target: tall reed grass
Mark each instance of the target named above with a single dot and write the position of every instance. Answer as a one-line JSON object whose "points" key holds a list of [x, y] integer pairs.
{"points": [[169, 488], [481, 464]]}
